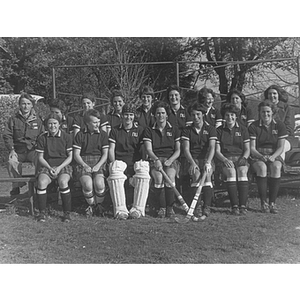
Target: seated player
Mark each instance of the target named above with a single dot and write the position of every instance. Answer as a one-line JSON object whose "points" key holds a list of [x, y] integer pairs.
{"points": [[125, 144], [20, 135], [90, 152], [198, 143], [54, 149], [162, 143], [267, 139], [232, 151]]}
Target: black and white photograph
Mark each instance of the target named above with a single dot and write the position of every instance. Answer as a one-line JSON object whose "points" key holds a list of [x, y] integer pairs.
{"points": [[154, 162]]}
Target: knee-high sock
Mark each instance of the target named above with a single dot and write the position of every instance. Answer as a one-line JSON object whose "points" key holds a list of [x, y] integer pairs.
{"points": [[42, 199], [232, 191], [262, 188], [160, 197], [274, 184], [169, 195], [243, 188], [207, 195], [66, 199]]}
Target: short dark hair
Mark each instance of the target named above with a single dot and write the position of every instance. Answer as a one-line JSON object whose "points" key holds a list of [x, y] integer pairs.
{"points": [[173, 87], [196, 106], [90, 95], [116, 93], [268, 103], [28, 97], [202, 94], [159, 104], [52, 116], [91, 113], [239, 93], [228, 107], [59, 104], [146, 90], [129, 108], [282, 94]]}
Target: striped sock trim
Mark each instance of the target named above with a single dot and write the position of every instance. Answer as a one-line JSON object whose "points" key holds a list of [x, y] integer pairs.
{"points": [[64, 190], [41, 191], [230, 179], [242, 179]]}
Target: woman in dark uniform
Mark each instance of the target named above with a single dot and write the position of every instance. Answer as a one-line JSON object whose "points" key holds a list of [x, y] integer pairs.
{"points": [[244, 113], [232, 151], [198, 143], [162, 143], [267, 138], [54, 149]]}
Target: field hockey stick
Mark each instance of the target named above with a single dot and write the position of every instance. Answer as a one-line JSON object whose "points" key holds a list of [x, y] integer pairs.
{"points": [[190, 213], [178, 195]]}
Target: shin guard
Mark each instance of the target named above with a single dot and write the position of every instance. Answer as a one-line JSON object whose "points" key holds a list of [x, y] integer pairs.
{"points": [[141, 181], [116, 182], [66, 199]]}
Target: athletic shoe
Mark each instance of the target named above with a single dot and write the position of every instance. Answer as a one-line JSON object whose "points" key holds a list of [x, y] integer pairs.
{"points": [[89, 212], [198, 212], [66, 217], [121, 216], [15, 191], [99, 210], [265, 208], [161, 213], [170, 212], [235, 211], [206, 211], [135, 214], [41, 218], [243, 210], [273, 208]]}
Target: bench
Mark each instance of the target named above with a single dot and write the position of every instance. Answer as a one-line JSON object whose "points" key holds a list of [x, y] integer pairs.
{"points": [[31, 183]]}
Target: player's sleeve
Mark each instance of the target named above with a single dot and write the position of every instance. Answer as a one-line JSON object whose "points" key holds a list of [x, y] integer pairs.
{"points": [[112, 136], [147, 135], [282, 131], [41, 143], [77, 143]]}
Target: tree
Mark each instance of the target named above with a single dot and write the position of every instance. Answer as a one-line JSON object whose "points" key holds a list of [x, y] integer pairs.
{"points": [[221, 51]]}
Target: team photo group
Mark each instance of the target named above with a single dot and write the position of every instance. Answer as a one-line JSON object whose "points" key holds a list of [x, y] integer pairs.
{"points": [[136, 159]]}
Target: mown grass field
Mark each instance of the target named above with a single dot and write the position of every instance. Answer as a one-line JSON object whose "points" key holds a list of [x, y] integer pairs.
{"points": [[101, 257], [221, 239]]}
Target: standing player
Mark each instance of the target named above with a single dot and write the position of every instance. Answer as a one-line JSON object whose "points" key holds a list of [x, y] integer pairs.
{"points": [[144, 116], [179, 116], [125, 144], [213, 116], [117, 102], [88, 101], [199, 148], [267, 138], [58, 107], [162, 143], [233, 150], [54, 149], [90, 152], [244, 113], [20, 135]]}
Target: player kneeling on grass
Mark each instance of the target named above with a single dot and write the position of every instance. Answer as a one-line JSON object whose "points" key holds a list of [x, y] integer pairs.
{"points": [[267, 140], [125, 142], [162, 143], [198, 142], [233, 150], [90, 152], [54, 149]]}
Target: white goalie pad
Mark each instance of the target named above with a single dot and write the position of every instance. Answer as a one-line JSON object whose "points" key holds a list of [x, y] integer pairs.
{"points": [[141, 181], [116, 182]]}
